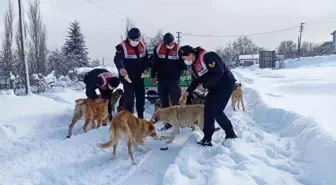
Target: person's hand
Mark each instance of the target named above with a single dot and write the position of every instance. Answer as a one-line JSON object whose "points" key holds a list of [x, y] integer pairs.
{"points": [[185, 94], [186, 72], [153, 80], [145, 72], [200, 87], [99, 100], [123, 71]]}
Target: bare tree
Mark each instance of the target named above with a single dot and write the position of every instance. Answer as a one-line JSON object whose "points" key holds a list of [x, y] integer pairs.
{"points": [[245, 46], [288, 49], [95, 63], [151, 42], [309, 49], [37, 44], [8, 61], [128, 25]]}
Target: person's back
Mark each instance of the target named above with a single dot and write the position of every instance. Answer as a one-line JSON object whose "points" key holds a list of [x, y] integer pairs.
{"points": [[227, 77]]}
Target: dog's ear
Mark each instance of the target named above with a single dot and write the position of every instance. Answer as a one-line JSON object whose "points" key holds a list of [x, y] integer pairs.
{"points": [[151, 127]]}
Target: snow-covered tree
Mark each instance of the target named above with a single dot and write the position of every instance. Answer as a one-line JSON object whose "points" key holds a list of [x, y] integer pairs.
{"points": [[74, 48], [95, 63], [56, 62]]}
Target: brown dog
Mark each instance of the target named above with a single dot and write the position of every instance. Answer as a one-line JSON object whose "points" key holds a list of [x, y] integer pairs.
{"points": [[237, 97], [115, 97], [92, 110], [131, 129]]}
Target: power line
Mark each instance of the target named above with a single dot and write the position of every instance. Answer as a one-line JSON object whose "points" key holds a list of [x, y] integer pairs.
{"points": [[120, 10], [240, 35], [105, 11]]}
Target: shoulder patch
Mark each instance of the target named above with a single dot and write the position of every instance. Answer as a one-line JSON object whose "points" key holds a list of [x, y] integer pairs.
{"points": [[212, 64]]}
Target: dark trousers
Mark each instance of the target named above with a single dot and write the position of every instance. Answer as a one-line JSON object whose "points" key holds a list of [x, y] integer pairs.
{"points": [[136, 90], [168, 88], [215, 104], [107, 95]]}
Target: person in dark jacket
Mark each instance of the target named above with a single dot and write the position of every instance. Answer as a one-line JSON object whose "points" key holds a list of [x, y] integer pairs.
{"points": [[131, 59], [105, 81], [167, 69], [211, 73]]}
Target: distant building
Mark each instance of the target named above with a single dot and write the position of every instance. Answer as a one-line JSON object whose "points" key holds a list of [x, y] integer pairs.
{"points": [[334, 41], [248, 60], [326, 48]]}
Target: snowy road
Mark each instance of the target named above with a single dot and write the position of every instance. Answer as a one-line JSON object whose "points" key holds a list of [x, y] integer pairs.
{"points": [[276, 145]]}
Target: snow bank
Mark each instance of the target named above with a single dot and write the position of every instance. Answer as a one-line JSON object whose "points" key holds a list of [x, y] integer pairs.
{"points": [[316, 148], [298, 103], [259, 156], [311, 61], [19, 115]]}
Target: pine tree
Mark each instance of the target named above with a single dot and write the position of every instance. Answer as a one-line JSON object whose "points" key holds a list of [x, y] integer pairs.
{"points": [[74, 47]]}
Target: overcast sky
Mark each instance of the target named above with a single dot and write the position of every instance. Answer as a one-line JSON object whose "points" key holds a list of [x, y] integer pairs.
{"points": [[216, 17]]}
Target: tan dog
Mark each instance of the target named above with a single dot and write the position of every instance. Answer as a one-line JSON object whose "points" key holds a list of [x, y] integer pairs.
{"points": [[158, 103], [92, 110], [131, 129], [180, 117], [237, 97], [115, 97]]}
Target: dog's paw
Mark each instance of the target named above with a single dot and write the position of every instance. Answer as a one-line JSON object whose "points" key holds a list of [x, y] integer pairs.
{"points": [[113, 157], [68, 136], [134, 162]]}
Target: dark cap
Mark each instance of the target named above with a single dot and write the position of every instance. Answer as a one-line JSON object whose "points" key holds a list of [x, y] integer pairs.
{"points": [[186, 50], [168, 38], [114, 82], [134, 33]]}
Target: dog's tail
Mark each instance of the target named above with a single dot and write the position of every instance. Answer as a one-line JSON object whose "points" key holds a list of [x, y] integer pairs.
{"points": [[183, 102], [114, 137]]}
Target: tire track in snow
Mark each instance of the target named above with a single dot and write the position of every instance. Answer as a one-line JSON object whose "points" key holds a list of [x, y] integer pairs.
{"points": [[153, 166]]}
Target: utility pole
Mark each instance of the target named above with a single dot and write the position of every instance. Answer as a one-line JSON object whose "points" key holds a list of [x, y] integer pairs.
{"points": [[299, 40], [24, 57], [178, 37], [103, 62]]}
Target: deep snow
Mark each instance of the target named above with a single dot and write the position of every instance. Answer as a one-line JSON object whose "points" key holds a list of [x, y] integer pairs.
{"points": [[282, 140]]}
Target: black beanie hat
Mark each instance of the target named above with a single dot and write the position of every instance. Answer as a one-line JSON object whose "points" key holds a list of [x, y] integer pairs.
{"points": [[186, 50], [134, 33], [168, 38], [114, 82]]}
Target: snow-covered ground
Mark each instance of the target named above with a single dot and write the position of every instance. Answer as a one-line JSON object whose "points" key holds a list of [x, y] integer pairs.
{"points": [[286, 136]]}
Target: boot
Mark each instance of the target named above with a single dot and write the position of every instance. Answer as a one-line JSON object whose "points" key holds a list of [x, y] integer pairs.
{"points": [[231, 136], [166, 127], [110, 118], [204, 142]]}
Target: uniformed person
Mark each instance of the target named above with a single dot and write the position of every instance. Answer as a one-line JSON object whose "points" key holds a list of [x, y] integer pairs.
{"points": [[167, 68], [131, 59], [105, 81], [211, 73]]}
